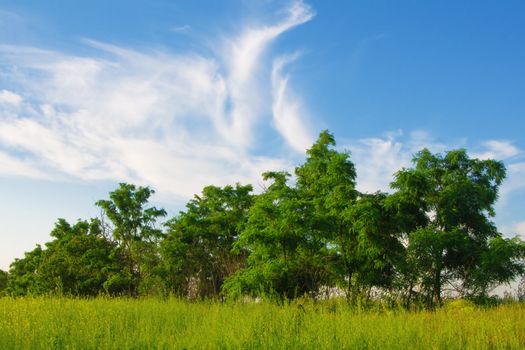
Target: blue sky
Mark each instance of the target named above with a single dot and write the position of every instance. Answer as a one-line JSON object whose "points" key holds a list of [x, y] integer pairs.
{"points": [[181, 94]]}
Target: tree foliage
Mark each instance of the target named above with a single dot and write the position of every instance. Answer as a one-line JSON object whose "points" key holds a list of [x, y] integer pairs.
{"points": [[451, 198], [3, 281], [78, 261], [136, 234], [23, 276], [302, 235], [197, 251], [286, 252]]}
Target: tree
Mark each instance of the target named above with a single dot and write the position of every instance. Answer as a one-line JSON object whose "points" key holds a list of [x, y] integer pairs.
{"points": [[372, 243], [136, 233], [286, 254], [3, 281], [502, 260], [448, 201], [322, 232], [23, 274], [197, 251], [358, 229], [80, 260], [433, 234], [326, 181]]}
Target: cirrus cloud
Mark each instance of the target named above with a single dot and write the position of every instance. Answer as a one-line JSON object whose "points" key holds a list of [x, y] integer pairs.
{"points": [[177, 121]]}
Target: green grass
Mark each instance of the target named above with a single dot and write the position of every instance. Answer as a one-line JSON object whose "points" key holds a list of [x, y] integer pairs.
{"points": [[28, 323]]}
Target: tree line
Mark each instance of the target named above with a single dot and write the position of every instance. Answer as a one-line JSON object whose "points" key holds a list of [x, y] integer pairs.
{"points": [[313, 234]]}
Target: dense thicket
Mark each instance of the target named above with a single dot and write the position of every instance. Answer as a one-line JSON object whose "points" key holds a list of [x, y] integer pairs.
{"points": [[315, 235]]}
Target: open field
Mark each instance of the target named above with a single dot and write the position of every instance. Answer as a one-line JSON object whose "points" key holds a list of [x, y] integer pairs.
{"points": [[28, 323]]}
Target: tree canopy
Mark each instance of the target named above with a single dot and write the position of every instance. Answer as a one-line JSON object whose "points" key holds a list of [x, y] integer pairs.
{"points": [[430, 236]]}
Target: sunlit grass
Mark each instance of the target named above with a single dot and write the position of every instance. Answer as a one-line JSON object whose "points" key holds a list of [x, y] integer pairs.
{"points": [[62, 323]]}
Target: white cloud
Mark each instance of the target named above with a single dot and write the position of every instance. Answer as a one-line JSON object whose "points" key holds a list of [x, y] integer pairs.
{"points": [[241, 56], [520, 229], [10, 98], [179, 121], [514, 182], [180, 29], [174, 121], [378, 159], [497, 149], [513, 229], [507, 152], [14, 166], [289, 117]]}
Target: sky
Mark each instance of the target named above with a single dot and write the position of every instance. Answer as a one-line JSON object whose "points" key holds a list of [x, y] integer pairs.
{"points": [[178, 95]]}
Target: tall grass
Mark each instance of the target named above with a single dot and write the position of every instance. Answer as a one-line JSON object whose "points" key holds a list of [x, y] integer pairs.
{"points": [[32, 323]]}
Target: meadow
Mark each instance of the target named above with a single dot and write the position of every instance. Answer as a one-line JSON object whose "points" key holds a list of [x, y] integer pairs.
{"points": [[103, 323]]}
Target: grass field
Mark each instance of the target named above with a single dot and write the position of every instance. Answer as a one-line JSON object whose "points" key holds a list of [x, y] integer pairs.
{"points": [[29, 323]]}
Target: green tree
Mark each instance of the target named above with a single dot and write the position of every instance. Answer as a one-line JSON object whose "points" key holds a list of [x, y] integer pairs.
{"points": [[448, 202], [326, 181], [360, 230], [287, 257], [3, 281], [80, 260], [372, 244], [502, 260], [23, 274], [136, 233], [197, 251]]}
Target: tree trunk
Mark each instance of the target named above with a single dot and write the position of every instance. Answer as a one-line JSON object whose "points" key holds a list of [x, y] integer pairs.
{"points": [[437, 287], [349, 287]]}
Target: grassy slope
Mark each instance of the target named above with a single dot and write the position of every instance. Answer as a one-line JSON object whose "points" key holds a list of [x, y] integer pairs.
{"points": [[155, 324]]}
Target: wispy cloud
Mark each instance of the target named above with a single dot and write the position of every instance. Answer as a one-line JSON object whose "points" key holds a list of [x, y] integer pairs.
{"points": [[241, 57], [9, 97], [288, 114], [180, 29], [378, 158], [177, 121], [514, 229], [498, 149], [512, 156], [514, 183], [18, 167]]}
